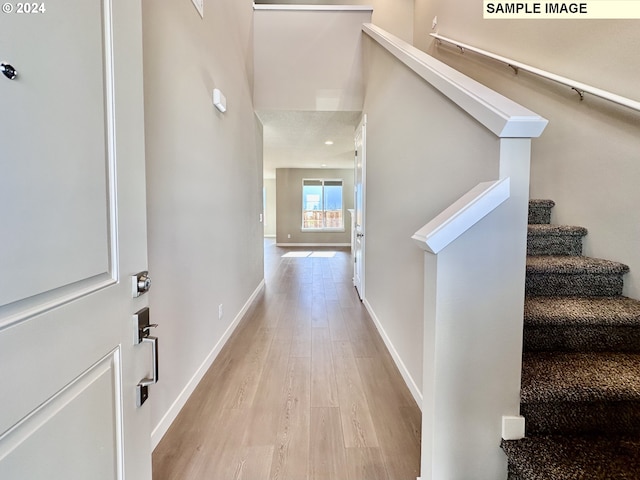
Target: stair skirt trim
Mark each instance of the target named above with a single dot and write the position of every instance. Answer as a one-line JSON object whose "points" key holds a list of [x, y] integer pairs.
{"points": [[408, 379]]}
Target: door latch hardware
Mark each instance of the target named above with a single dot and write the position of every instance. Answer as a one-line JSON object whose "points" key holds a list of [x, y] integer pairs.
{"points": [[141, 335], [142, 325], [142, 394], [140, 283]]}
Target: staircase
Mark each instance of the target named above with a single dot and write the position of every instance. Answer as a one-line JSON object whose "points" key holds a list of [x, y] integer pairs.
{"points": [[580, 391]]}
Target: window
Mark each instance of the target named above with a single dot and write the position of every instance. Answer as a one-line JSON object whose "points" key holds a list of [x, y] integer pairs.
{"points": [[322, 205]]}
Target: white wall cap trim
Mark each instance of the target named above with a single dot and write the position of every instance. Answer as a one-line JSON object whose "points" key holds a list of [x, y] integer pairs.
{"points": [[460, 216], [502, 116], [311, 8]]}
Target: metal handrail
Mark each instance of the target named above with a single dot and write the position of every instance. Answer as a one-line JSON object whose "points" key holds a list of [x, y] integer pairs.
{"points": [[579, 87]]}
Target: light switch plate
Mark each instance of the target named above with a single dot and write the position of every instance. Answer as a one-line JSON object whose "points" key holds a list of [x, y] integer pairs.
{"points": [[219, 100], [199, 4]]}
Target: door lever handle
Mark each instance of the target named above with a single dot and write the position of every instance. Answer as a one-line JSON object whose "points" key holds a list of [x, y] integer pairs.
{"points": [[143, 332], [143, 385], [154, 353], [142, 325]]}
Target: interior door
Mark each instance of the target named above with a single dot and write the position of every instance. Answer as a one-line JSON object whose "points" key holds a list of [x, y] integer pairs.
{"points": [[73, 232], [359, 206]]}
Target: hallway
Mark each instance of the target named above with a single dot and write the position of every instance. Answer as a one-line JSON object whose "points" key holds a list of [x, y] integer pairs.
{"points": [[304, 389]]}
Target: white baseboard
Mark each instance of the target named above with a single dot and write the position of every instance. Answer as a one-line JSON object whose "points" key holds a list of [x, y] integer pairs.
{"points": [[168, 418], [313, 244], [408, 379]]}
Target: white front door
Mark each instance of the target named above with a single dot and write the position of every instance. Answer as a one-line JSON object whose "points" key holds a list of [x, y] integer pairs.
{"points": [[72, 233], [359, 205]]}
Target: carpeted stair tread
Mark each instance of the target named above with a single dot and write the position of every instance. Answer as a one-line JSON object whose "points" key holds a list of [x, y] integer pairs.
{"points": [[581, 324], [542, 202], [548, 229], [580, 377], [569, 264], [540, 211], [573, 458], [545, 239], [554, 275], [561, 311]]}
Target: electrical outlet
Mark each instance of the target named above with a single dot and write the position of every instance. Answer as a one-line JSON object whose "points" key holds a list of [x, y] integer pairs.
{"points": [[220, 312], [289, 235], [199, 4]]}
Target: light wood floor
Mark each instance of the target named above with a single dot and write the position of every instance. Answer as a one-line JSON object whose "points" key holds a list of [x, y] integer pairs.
{"points": [[304, 389]]}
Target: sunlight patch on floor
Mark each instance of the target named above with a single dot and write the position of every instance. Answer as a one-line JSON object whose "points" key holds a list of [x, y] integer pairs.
{"points": [[305, 254], [323, 254]]}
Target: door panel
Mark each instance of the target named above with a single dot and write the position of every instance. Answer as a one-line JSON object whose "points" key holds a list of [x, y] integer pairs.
{"points": [[72, 213], [26, 452], [57, 172], [42, 355]]}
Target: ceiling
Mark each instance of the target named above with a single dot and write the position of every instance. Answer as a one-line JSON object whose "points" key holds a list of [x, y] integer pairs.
{"points": [[296, 139]]}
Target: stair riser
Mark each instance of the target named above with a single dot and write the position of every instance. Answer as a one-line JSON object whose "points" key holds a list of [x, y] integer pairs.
{"points": [[607, 285], [513, 475], [582, 338], [538, 215], [573, 458], [582, 418], [554, 245]]}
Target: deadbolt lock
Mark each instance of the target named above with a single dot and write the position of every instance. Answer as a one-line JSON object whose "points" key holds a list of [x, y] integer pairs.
{"points": [[141, 283]]}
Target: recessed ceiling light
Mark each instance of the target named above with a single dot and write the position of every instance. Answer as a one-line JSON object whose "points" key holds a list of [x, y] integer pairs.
{"points": [[324, 165], [329, 142]]}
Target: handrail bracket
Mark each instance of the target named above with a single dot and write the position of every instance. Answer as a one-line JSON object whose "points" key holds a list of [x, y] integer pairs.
{"points": [[579, 92]]}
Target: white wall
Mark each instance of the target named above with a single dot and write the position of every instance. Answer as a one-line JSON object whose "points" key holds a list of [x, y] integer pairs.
{"points": [[270, 216], [422, 154], [204, 174], [588, 159], [308, 59], [395, 16]]}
